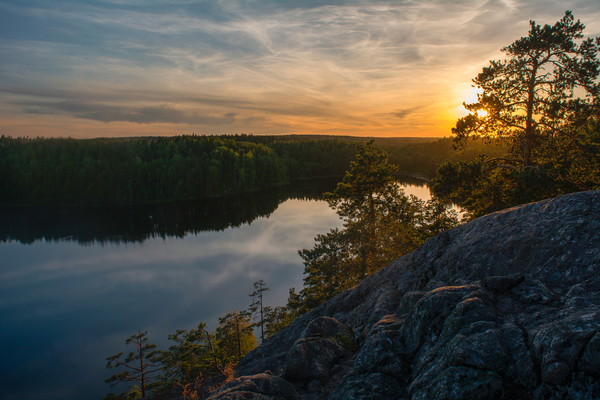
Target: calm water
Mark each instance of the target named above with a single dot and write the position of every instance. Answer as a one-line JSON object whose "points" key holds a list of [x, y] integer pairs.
{"points": [[76, 282]]}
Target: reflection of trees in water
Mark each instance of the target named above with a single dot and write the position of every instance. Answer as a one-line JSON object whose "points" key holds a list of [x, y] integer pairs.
{"points": [[124, 224], [129, 224], [406, 180]]}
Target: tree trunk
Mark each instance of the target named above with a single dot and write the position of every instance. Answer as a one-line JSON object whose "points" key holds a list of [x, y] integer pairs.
{"points": [[529, 127], [142, 371], [372, 234]]}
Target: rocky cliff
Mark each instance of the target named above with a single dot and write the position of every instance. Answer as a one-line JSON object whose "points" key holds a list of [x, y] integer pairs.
{"points": [[506, 306]]}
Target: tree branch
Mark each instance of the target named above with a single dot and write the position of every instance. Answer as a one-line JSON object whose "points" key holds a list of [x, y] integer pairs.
{"points": [[505, 159], [502, 166]]}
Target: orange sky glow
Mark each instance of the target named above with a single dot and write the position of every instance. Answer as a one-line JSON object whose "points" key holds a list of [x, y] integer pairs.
{"points": [[129, 68]]}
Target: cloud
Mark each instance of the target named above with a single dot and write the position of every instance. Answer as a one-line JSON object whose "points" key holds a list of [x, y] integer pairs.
{"points": [[138, 115], [29, 110], [337, 66], [405, 113]]}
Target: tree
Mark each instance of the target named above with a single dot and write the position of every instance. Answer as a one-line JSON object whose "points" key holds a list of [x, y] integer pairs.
{"points": [[256, 307], [380, 224], [140, 363], [365, 190], [277, 318], [536, 102], [234, 335], [192, 357]]}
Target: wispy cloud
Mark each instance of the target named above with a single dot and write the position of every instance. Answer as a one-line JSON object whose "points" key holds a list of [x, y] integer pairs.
{"points": [[352, 67], [139, 115], [404, 113]]}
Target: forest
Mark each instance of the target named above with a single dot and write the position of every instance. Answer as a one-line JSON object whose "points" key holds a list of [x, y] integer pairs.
{"points": [[381, 223], [39, 171], [547, 144], [526, 138]]}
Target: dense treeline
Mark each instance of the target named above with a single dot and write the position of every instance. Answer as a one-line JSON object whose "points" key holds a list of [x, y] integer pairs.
{"points": [[328, 155], [379, 141], [425, 158], [315, 158], [128, 171], [132, 171], [144, 170]]}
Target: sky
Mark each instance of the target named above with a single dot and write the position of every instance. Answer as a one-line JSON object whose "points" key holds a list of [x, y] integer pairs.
{"points": [[117, 68]]}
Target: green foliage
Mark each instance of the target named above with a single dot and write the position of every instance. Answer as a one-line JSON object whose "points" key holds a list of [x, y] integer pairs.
{"points": [[195, 354], [234, 336], [531, 95], [131, 171], [542, 104], [314, 158], [131, 394], [277, 318], [273, 319], [424, 158], [191, 358], [380, 224], [140, 365], [119, 171]]}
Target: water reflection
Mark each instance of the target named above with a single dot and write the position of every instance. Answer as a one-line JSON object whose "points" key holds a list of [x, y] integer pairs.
{"points": [[64, 307], [119, 224], [135, 224]]}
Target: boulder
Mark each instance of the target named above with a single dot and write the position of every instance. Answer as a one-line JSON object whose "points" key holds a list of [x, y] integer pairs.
{"points": [[505, 306], [256, 387]]}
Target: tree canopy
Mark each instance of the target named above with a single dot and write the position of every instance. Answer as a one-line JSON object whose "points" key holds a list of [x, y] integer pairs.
{"points": [[196, 354], [381, 223], [191, 358], [541, 102], [235, 336]]}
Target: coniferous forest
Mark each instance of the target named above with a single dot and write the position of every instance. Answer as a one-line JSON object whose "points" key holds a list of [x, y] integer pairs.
{"points": [[533, 133], [145, 170]]}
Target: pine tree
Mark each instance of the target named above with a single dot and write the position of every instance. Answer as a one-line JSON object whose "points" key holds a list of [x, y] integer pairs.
{"points": [[192, 357], [234, 335], [539, 102], [140, 365], [380, 224], [256, 307]]}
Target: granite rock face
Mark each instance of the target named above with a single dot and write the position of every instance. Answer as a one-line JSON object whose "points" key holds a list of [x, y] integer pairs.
{"points": [[504, 307]]}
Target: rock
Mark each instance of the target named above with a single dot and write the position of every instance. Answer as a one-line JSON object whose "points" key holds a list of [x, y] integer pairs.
{"points": [[461, 383], [500, 284], [506, 306], [375, 386], [313, 358], [590, 359], [318, 360], [256, 387], [327, 327], [382, 351]]}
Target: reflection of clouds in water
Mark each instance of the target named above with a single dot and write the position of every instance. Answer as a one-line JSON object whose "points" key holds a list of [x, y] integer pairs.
{"points": [[107, 293], [100, 295], [191, 271]]}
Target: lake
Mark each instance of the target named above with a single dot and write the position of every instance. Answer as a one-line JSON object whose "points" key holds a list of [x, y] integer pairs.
{"points": [[77, 281]]}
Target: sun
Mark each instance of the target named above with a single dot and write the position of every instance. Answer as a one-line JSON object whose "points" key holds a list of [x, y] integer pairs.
{"points": [[468, 96]]}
